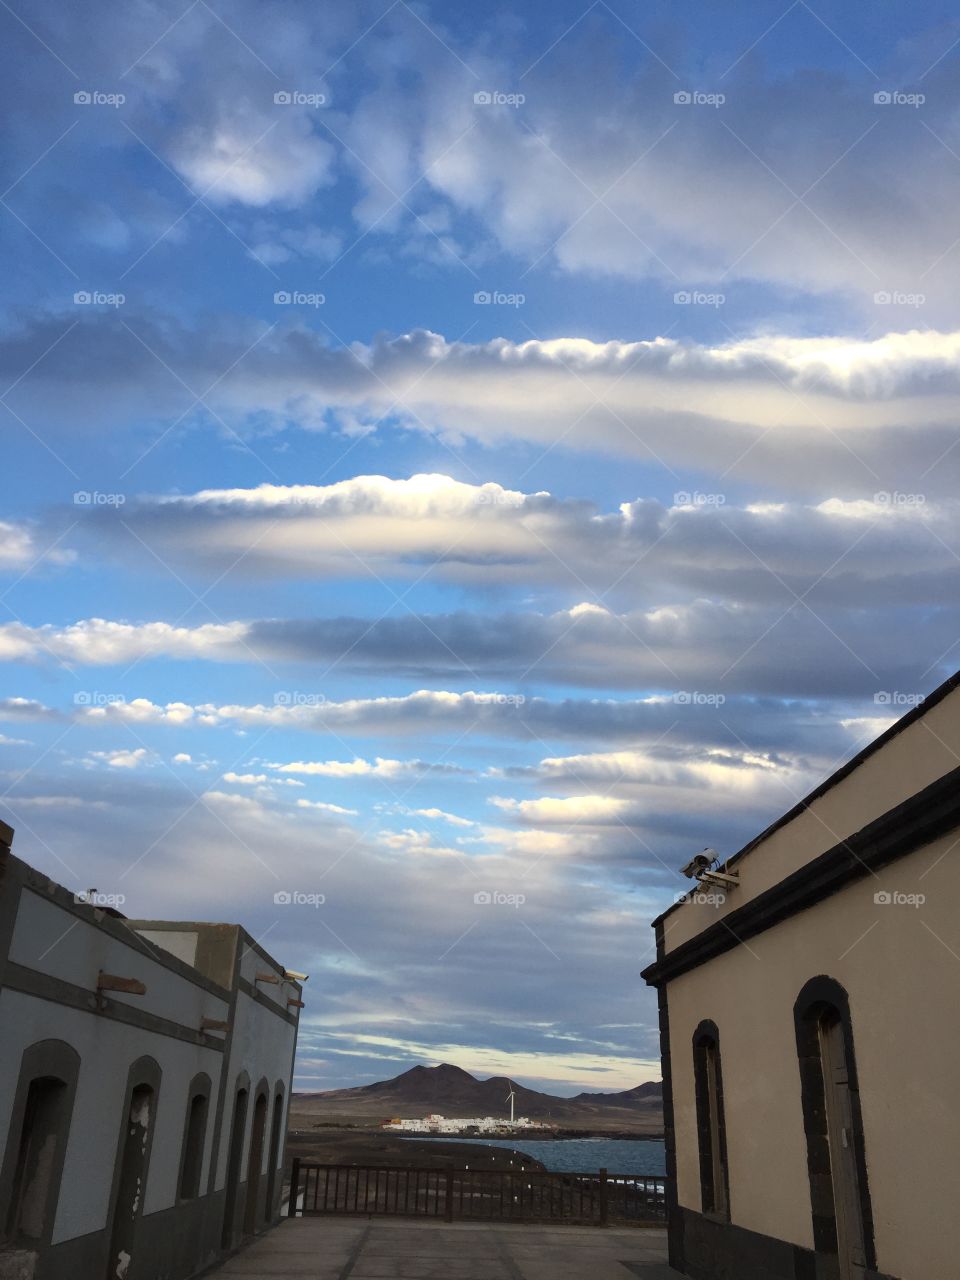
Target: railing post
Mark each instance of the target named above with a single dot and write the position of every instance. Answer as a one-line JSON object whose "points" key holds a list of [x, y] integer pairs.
{"points": [[448, 1195], [294, 1187], [603, 1197]]}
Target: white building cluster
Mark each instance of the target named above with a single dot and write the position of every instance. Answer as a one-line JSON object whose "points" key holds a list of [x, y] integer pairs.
{"points": [[480, 1124]]}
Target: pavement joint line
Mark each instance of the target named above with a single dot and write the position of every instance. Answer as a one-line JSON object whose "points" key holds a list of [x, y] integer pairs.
{"points": [[355, 1252], [507, 1258]]}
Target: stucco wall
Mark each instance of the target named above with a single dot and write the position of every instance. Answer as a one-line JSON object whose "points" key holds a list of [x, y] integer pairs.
{"points": [[900, 965], [49, 939], [921, 753], [262, 1045], [107, 1049]]}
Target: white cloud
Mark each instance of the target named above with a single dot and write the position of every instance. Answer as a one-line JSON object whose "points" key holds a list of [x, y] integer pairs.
{"points": [[442, 816], [326, 808], [870, 414], [122, 758], [568, 810], [19, 549], [360, 768]]}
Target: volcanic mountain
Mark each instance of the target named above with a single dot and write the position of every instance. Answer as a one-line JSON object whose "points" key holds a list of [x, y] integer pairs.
{"points": [[450, 1091]]}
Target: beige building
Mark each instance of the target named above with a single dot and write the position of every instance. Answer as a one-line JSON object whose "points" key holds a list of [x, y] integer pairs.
{"points": [[145, 1071], [810, 1029]]}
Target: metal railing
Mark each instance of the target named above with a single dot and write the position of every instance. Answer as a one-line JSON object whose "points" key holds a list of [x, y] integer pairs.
{"points": [[483, 1194]]}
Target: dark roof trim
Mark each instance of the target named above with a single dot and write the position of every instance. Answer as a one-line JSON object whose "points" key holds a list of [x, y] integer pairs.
{"points": [[922, 818], [914, 714]]}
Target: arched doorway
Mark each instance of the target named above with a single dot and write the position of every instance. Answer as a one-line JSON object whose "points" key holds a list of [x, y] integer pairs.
{"points": [[274, 1157], [133, 1163], [237, 1128], [836, 1156], [255, 1163]]}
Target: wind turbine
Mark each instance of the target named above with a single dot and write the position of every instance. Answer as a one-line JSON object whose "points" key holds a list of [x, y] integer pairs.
{"points": [[510, 1098]]}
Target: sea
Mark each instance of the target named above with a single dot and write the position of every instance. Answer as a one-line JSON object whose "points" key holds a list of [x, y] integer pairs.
{"points": [[581, 1155]]}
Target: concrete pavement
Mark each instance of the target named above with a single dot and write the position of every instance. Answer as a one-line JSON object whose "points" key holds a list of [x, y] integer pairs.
{"points": [[335, 1248]]}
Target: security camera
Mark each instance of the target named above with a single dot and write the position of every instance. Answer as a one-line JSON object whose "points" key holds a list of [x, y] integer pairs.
{"points": [[296, 977], [700, 863]]}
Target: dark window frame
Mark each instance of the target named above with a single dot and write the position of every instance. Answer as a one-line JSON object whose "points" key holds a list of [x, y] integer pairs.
{"points": [[274, 1147], [706, 1043], [53, 1060], [821, 996], [193, 1144]]}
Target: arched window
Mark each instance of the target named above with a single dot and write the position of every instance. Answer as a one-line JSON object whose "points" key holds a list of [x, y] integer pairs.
{"points": [[234, 1156], [833, 1124], [276, 1152], [194, 1136], [252, 1214], [132, 1165], [711, 1130], [37, 1140]]}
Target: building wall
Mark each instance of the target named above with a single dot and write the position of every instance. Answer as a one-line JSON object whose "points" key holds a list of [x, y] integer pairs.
{"points": [[900, 966], [107, 1050], [919, 754], [52, 950]]}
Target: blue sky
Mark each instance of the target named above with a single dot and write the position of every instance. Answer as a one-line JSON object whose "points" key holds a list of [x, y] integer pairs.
{"points": [[457, 452]]}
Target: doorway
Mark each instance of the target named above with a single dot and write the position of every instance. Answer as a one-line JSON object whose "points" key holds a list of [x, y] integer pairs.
{"points": [[841, 1139], [234, 1158], [131, 1182], [842, 1218], [255, 1164]]}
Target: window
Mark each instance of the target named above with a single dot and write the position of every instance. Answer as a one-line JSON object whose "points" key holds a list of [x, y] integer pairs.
{"points": [[132, 1166], [276, 1138], [35, 1160], [711, 1131], [37, 1141], [194, 1134]]}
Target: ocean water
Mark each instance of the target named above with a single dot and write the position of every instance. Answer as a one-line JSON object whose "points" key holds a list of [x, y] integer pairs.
{"points": [[582, 1155]]}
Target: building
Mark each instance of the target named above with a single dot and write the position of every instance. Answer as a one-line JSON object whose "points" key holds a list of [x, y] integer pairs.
{"points": [[145, 1071], [810, 1033], [480, 1124]]}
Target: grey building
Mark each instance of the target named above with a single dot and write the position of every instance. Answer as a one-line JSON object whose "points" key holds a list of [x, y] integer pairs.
{"points": [[145, 1071]]}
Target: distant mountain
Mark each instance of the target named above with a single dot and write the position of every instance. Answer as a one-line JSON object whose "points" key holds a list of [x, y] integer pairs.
{"points": [[639, 1093], [451, 1091]]}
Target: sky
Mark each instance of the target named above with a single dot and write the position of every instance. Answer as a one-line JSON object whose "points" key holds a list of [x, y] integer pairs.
{"points": [[459, 461]]}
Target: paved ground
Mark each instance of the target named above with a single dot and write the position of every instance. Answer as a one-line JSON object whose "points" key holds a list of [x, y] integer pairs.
{"points": [[385, 1248]]}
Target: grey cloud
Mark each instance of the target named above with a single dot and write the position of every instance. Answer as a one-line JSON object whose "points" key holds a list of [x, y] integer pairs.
{"points": [[873, 416]]}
